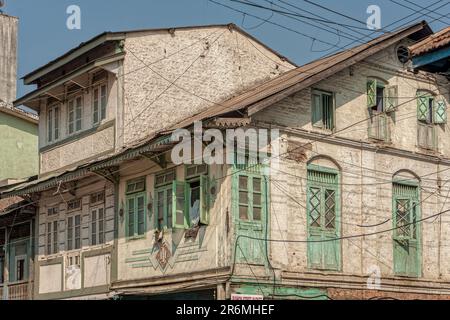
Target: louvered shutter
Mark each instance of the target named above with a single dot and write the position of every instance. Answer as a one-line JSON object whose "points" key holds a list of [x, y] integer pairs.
{"points": [[391, 98], [371, 93], [316, 110]]}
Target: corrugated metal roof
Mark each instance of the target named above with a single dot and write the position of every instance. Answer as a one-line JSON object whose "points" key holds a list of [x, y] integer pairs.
{"points": [[436, 41], [7, 203]]}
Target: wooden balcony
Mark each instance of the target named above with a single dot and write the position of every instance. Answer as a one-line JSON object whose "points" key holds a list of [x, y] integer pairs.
{"points": [[18, 291]]}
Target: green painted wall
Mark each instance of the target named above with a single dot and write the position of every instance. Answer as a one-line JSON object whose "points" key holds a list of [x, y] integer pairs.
{"points": [[19, 157]]}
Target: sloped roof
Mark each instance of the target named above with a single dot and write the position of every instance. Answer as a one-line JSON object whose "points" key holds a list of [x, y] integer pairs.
{"points": [[254, 99], [120, 35], [7, 204], [436, 41], [257, 97], [16, 112]]}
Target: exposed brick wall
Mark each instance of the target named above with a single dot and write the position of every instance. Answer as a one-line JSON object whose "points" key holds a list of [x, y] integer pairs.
{"points": [[344, 294]]}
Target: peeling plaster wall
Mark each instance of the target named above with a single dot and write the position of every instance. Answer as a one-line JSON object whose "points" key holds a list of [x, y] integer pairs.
{"points": [[366, 177], [206, 72], [137, 256]]}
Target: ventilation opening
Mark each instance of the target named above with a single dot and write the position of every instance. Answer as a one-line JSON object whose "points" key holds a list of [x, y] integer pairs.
{"points": [[402, 54]]}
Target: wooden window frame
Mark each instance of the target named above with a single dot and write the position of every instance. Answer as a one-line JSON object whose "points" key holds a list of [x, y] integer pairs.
{"points": [[166, 215], [136, 185], [97, 198], [99, 112], [76, 124], [322, 231], [23, 257], [53, 131], [413, 229], [330, 123], [135, 232], [71, 237], [97, 225], [77, 208], [51, 236]]}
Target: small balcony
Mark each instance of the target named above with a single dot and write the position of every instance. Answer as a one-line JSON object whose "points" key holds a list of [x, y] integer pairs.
{"points": [[17, 291]]}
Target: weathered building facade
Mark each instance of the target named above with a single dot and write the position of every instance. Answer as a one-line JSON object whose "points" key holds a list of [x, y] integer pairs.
{"points": [[355, 207], [97, 102], [16, 249]]}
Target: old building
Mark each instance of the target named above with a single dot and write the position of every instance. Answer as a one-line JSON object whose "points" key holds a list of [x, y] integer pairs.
{"points": [[18, 161], [433, 53], [16, 249], [96, 103], [18, 129], [353, 206]]}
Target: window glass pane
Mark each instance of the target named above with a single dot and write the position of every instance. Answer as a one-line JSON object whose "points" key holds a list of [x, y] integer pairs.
{"points": [[101, 224], [103, 102], [257, 184], [243, 212], [169, 208], [56, 123], [243, 197], [131, 217], [141, 215], [55, 236], [160, 209], [49, 238], [78, 115], [257, 199], [77, 232], [314, 207], [180, 204], [243, 182], [330, 209], [256, 214], [70, 233], [50, 124]]}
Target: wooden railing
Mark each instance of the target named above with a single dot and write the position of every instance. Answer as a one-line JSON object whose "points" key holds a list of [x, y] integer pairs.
{"points": [[17, 291]]}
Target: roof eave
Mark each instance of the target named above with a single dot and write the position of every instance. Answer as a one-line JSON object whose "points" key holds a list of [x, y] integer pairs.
{"points": [[86, 68], [72, 54]]}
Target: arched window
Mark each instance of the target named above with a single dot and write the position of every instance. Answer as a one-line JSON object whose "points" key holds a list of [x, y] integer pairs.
{"points": [[323, 214]]}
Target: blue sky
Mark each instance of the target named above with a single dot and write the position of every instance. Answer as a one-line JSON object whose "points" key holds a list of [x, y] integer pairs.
{"points": [[43, 34]]}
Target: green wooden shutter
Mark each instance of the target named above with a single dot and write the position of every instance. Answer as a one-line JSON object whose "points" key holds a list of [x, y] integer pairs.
{"points": [[440, 112], [406, 233], [371, 93], [323, 216], [204, 200], [179, 209], [130, 208], [140, 215], [422, 107], [391, 98], [317, 110]]}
